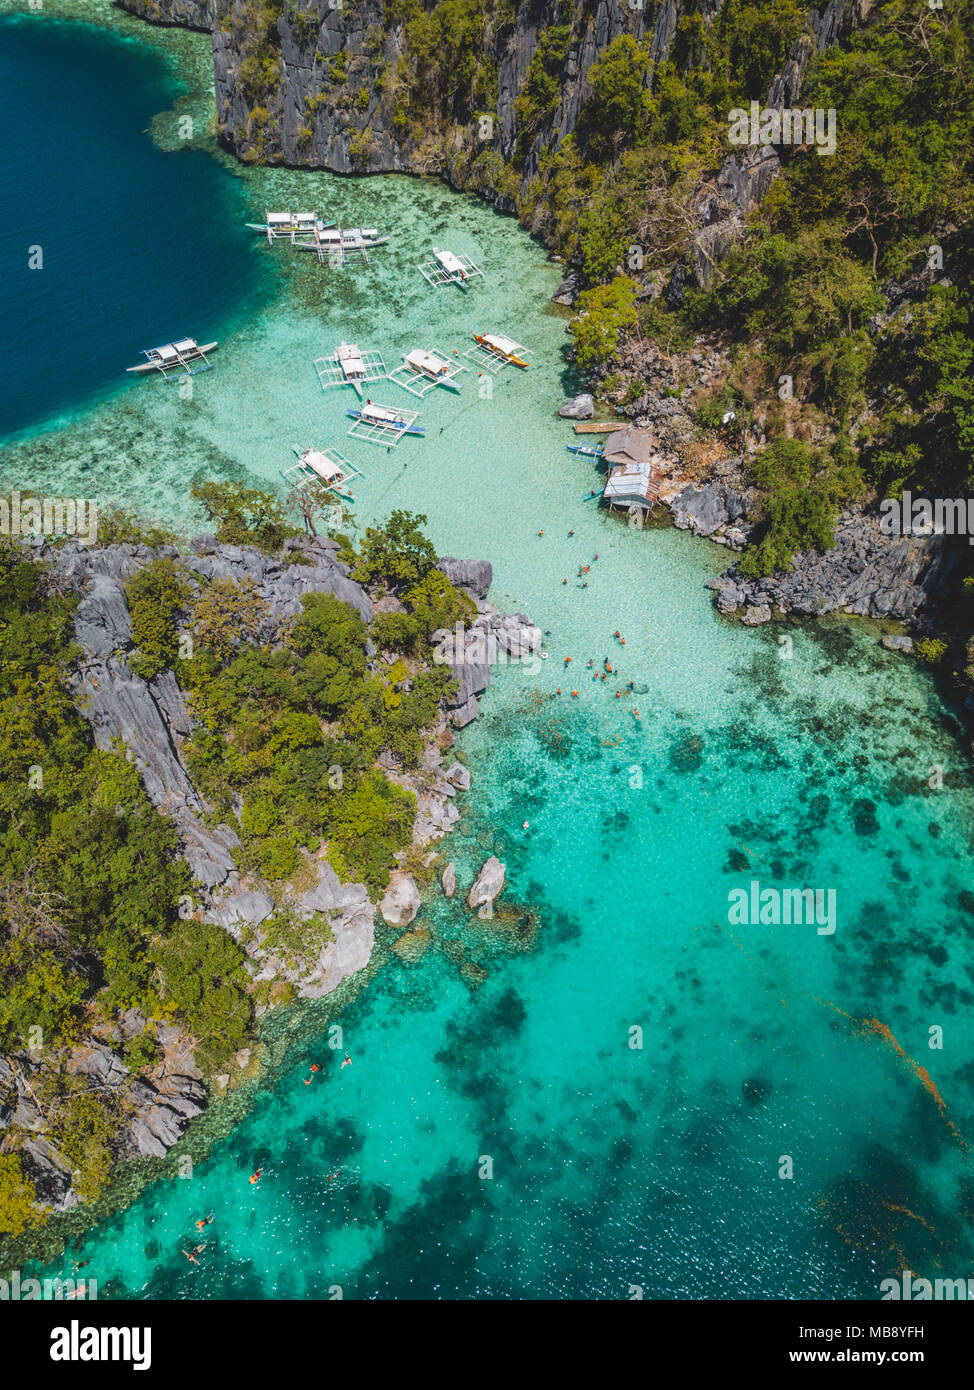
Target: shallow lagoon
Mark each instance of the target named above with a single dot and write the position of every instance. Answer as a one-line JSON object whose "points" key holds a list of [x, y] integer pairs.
{"points": [[614, 1167]]}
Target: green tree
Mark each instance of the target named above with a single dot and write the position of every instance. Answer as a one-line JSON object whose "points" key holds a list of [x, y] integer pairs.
{"points": [[604, 313], [244, 515], [617, 112], [227, 613], [204, 982], [156, 597], [398, 553], [37, 991], [17, 1197]]}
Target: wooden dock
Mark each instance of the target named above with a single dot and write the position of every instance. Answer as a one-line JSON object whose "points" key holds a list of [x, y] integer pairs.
{"points": [[599, 426]]}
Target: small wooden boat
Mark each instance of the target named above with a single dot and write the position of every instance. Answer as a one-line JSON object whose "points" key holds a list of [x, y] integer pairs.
{"points": [[432, 366], [335, 238], [350, 366], [500, 346], [386, 418], [446, 268], [185, 356], [299, 228], [588, 451], [326, 467]]}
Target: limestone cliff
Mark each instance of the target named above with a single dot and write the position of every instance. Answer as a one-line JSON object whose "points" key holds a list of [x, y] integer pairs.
{"points": [[187, 14]]}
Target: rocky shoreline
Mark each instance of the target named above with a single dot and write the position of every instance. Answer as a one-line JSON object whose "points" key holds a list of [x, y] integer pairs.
{"points": [[151, 719]]}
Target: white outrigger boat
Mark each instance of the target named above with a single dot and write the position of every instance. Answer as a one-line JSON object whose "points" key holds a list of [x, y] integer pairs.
{"points": [[494, 351], [349, 366], [422, 370], [334, 244], [325, 467], [446, 268], [185, 356], [298, 228], [381, 424]]}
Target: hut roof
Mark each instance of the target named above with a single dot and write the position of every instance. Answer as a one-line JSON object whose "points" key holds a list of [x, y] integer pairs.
{"points": [[631, 445]]}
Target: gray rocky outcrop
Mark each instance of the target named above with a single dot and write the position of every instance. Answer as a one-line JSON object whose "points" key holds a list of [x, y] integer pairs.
{"points": [[717, 510], [578, 408], [51, 1174], [473, 576], [448, 881], [755, 614], [458, 776], [865, 572], [488, 884], [475, 648], [187, 14], [400, 903]]}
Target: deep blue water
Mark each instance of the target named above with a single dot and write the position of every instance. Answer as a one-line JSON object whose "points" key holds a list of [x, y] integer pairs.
{"points": [[139, 246]]}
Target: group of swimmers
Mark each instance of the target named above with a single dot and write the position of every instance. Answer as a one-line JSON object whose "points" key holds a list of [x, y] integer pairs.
{"points": [[347, 1062], [603, 673], [197, 1250]]}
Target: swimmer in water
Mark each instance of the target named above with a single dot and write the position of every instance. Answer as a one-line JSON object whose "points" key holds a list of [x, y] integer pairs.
{"points": [[255, 1177], [347, 1062]]}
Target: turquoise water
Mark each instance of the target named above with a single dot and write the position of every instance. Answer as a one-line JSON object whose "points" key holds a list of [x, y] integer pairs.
{"points": [[137, 246], [612, 1166]]}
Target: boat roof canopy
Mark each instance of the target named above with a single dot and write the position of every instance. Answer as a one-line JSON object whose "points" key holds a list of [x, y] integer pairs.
{"points": [[503, 344], [321, 464], [448, 260]]}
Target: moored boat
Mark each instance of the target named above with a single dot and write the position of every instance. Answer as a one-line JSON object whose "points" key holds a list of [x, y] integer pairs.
{"points": [[326, 467], [503, 347], [299, 228], [387, 418], [185, 355], [447, 268], [350, 366], [332, 238], [432, 366]]}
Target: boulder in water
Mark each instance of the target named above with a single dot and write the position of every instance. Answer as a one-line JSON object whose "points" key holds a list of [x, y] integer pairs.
{"points": [[579, 408], [488, 884], [401, 901]]}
